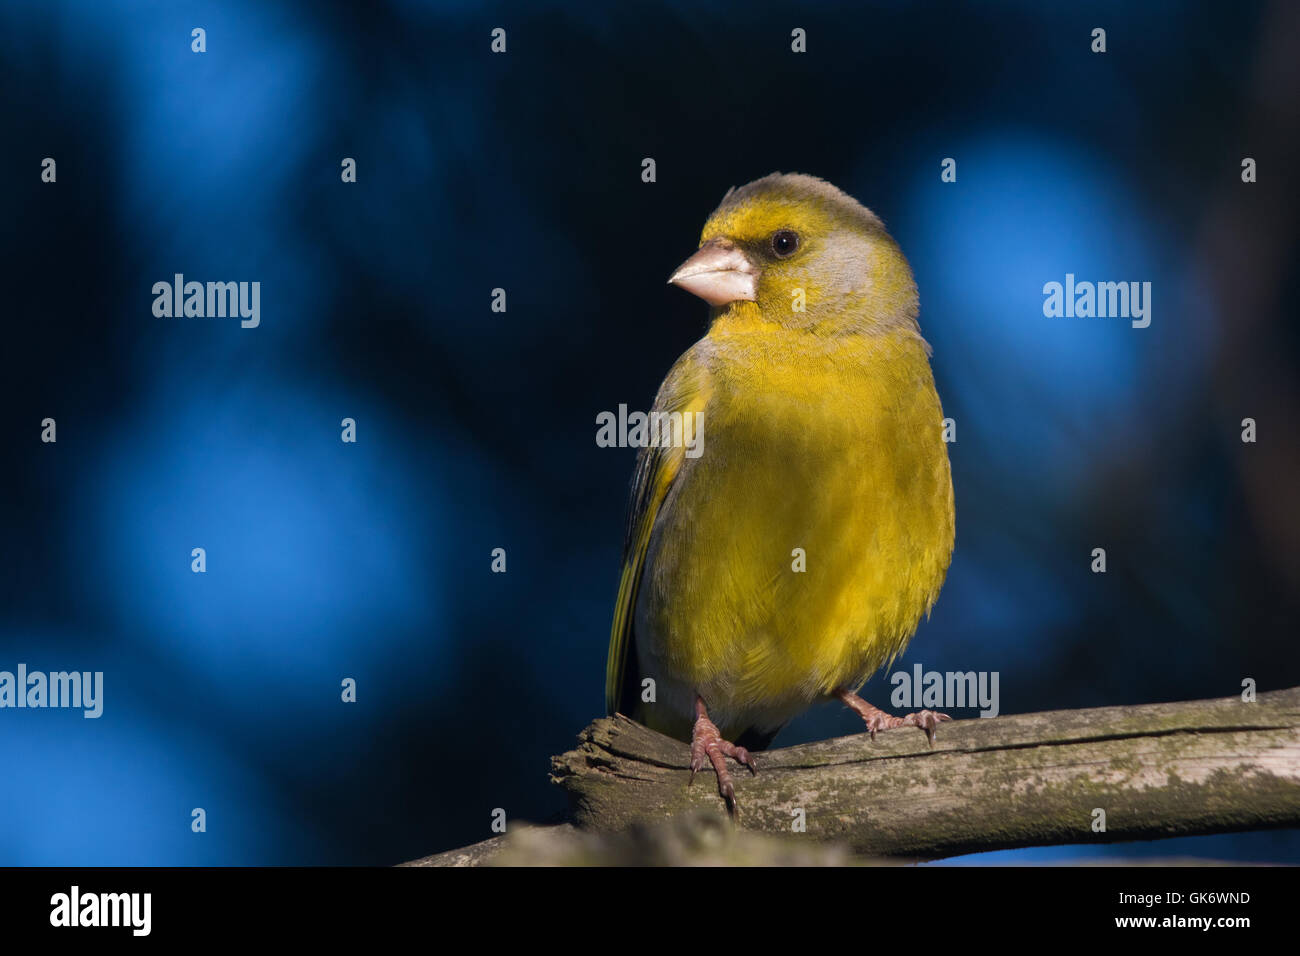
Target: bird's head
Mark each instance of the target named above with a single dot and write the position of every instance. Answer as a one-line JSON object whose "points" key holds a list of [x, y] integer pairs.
{"points": [[805, 254]]}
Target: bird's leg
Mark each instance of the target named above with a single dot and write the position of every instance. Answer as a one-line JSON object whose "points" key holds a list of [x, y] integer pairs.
{"points": [[707, 743], [877, 719]]}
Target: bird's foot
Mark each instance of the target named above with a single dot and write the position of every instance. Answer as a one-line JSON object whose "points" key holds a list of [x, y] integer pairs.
{"points": [[707, 744], [877, 719]]}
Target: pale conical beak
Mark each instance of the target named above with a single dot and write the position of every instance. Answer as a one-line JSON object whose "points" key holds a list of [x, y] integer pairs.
{"points": [[718, 273]]}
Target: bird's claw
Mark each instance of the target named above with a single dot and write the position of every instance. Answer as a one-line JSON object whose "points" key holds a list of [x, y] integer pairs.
{"points": [[707, 744], [927, 720], [876, 719]]}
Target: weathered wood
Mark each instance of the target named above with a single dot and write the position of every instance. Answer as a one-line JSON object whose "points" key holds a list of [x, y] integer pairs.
{"points": [[1157, 770], [691, 840], [476, 854]]}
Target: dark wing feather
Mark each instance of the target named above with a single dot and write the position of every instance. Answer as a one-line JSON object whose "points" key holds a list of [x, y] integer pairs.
{"points": [[657, 467]]}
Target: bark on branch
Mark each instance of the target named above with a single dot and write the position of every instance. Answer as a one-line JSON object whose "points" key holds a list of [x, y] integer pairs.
{"points": [[1158, 770]]}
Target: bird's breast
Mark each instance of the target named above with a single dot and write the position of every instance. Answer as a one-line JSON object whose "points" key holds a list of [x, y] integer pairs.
{"points": [[798, 551]]}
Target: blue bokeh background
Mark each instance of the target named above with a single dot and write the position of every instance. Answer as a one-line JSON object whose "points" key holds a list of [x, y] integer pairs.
{"points": [[476, 429]]}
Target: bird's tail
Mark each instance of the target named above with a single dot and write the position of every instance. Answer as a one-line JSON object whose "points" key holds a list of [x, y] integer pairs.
{"points": [[756, 739]]}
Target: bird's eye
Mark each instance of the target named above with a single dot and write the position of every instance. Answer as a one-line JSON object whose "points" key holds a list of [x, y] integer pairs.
{"points": [[784, 243]]}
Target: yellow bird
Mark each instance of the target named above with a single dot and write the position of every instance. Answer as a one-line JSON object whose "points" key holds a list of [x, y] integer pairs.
{"points": [[792, 551]]}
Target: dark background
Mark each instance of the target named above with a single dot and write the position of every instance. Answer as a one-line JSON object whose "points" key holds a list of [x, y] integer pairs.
{"points": [[476, 429]]}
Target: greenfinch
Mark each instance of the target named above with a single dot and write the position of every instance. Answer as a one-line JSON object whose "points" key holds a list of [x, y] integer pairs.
{"points": [[793, 554]]}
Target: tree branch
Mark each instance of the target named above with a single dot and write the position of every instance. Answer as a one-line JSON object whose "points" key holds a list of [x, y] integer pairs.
{"points": [[1158, 770]]}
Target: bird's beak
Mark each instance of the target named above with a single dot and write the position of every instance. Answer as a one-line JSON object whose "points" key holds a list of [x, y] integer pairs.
{"points": [[718, 273]]}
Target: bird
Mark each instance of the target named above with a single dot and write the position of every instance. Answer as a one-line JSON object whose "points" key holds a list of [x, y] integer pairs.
{"points": [[792, 552]]}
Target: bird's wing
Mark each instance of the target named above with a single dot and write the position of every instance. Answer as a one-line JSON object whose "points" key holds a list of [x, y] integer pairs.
{"points": [[684, 390]]}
